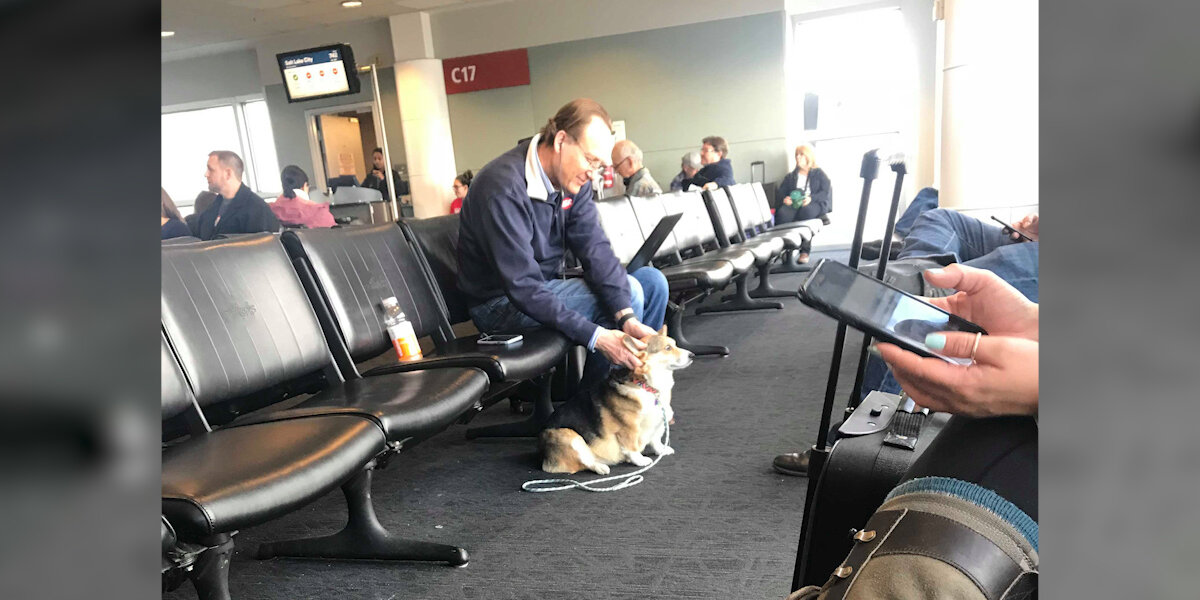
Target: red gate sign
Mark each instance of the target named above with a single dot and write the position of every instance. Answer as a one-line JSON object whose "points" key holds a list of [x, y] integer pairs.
{"points": [[486, 71]]}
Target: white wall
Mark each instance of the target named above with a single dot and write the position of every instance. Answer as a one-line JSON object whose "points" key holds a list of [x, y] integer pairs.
{"points": [[508, 25], [990, 100], [671, 86], [210, 77]]}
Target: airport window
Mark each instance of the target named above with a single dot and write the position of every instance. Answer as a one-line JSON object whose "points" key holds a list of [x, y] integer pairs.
{"points": [[853, 90], [261, 146], [188, 135]]}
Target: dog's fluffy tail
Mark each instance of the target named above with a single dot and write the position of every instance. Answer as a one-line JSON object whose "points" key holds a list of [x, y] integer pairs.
{"points": [[565, 451]]}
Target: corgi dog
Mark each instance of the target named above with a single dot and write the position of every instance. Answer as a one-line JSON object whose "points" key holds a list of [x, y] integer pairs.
{"points": [[619, 420]]}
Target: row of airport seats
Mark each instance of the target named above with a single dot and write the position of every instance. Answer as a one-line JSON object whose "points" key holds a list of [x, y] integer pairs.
{"points": [[280, 383], [268, 402], [725, 236]]}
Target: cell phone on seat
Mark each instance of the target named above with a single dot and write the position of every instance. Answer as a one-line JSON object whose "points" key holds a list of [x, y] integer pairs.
{"points": [[1009, 229], [499, 339], [880, 310]]}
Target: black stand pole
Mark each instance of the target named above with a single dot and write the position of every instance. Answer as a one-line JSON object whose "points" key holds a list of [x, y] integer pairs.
{"points": [[816, 463], [899, 169]]}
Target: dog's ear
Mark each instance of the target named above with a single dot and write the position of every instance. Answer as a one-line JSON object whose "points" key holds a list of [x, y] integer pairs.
{"points": [[663, 331]]}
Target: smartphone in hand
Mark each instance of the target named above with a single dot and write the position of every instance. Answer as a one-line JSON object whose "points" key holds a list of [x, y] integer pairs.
{"points": [[1011, 229], [880, 310]]}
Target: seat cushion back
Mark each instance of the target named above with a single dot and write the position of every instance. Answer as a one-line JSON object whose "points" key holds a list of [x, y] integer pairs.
{"points": [[176, 397], [237, 317], [355, 269], [725, 222], [745, 205], [760, 199], [649, 211], [695, 228], [437, 240], [621, 226]]}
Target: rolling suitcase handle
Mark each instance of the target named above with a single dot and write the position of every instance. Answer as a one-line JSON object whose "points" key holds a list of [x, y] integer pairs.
{"points": [[868, 171], [762, 171], [816, 462], [900, 169]]}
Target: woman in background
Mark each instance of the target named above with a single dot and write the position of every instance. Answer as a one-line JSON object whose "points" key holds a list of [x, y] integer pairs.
{"points": [[461, 184], [172, 222], [293, 207], [804, 194]]}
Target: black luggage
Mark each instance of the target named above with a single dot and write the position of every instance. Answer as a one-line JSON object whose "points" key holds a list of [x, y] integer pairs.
{"points": [[879, 440], [876, 445]]}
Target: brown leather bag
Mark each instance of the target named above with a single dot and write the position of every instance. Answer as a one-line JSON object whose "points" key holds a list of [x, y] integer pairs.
{"points": [[938, 538]]}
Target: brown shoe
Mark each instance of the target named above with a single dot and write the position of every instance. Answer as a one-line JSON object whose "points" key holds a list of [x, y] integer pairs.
{"points": [[792, 463]]}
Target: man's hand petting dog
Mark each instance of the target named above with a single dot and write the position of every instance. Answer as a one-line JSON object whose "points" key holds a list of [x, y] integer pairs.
{"points": [[637, 329], [620, 348]]}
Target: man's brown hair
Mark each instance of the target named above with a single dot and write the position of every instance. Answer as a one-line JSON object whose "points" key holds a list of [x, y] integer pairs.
{"points": [[718, 143], [229, 160], [573, 118]]}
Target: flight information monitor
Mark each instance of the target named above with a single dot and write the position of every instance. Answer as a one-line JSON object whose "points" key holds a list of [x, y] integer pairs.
{"points": [[318, 72]]}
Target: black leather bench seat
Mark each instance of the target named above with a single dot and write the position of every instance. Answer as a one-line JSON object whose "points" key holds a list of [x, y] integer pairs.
{"points": [[742, 258], [355, 267], [404, 405], [242, 476], [698, 273]]}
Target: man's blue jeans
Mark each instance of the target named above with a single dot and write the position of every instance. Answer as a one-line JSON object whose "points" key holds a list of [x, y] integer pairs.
{"points": [[647, 287], [973, 243], [926, 200]]}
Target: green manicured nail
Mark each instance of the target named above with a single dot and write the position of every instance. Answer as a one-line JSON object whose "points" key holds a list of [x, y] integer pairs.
{"points": [[935, 341]]}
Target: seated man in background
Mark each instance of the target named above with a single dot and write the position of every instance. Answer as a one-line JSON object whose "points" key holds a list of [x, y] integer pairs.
{"points": [[236, 208], [717, 170], [522, 213], [688, 166], [293, 206], [377, 178], [627, 161]]}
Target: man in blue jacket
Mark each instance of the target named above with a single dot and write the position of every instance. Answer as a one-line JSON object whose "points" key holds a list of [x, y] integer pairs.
{"points": [[524, 210], [717, 169]]}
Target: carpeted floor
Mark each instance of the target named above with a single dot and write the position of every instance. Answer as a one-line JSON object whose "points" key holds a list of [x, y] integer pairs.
{"points": [[712, 521]]}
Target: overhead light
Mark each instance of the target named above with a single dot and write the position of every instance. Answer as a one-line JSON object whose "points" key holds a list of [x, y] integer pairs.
{"points": [[351, 4], [171, 33]]}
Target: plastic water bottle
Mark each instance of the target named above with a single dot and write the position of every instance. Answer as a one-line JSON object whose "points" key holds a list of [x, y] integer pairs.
{"points": [[400, 331]]}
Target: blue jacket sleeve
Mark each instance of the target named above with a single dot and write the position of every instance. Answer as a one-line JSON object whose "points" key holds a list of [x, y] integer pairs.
{"points": [[591, 246], [509, 236], [822, 190]]}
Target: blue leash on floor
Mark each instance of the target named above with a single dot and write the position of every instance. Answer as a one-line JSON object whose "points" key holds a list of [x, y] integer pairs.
{"points": [[631, 479]]}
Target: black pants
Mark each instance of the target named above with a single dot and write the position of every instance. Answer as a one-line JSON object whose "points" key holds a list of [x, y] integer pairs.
{"points": [[998, 453]]}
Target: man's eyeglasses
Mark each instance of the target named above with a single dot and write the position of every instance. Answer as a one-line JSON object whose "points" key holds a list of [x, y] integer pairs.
{"points": [[594, 163]]}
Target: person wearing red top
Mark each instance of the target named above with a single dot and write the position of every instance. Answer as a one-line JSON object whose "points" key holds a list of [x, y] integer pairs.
{"points": [[461, 183], [293, 207]]}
